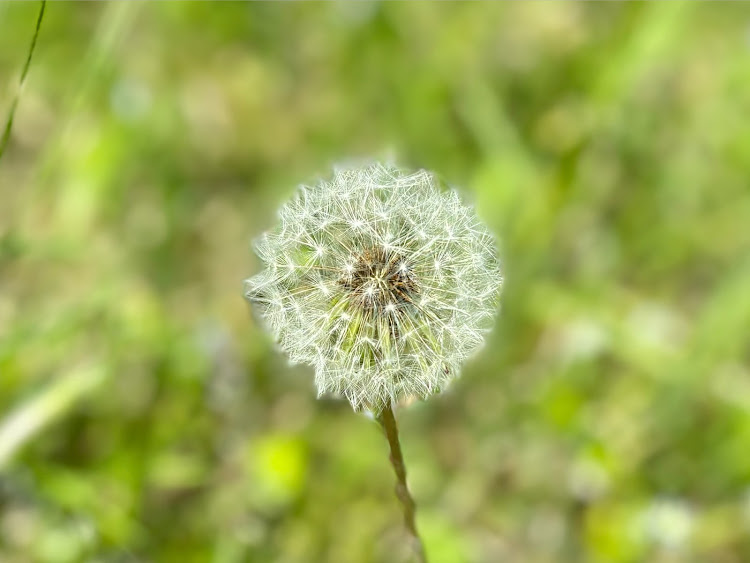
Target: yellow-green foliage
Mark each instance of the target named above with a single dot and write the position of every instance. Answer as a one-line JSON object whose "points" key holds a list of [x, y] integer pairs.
{"points": [[144, 415]]}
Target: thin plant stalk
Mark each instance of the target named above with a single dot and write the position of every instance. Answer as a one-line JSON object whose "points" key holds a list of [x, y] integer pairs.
{"points": [[12, 112], [387, 420]]}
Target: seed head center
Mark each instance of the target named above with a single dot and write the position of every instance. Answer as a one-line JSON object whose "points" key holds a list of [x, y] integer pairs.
{"points": [[380, 278]]}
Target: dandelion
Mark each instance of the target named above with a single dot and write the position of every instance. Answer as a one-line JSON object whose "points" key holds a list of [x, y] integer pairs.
{"points": [[382, 282]]}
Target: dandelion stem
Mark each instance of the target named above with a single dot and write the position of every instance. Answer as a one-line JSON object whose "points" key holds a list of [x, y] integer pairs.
{"points": [[387, 420]]}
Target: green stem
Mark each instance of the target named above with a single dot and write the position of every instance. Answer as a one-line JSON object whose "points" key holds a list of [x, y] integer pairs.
{"points": [[24, 72], [387, 420]]}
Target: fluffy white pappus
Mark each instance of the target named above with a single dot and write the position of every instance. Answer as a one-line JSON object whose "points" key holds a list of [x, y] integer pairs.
{"points": [[381, 281]]}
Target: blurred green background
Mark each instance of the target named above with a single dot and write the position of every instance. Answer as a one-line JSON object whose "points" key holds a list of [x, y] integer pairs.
{"points": [[144, 416]]}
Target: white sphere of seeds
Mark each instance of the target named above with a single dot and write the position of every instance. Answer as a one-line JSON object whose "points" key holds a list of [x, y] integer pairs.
{"points": [[381, 281]]}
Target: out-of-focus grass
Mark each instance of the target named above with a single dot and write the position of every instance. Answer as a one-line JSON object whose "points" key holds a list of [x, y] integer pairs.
{"points": [[608, 420]]}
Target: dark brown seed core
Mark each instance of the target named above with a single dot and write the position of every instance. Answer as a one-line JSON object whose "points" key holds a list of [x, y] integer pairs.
{"points": [[378, 278]]}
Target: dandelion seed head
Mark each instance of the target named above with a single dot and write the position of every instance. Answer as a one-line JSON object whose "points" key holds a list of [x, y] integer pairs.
{"points": [[379, 279]]}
